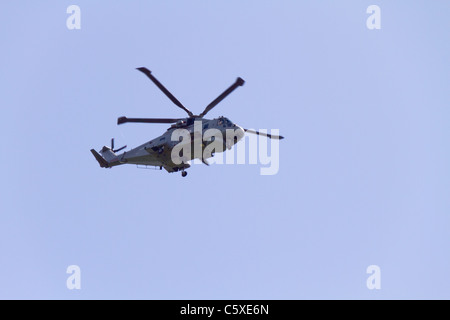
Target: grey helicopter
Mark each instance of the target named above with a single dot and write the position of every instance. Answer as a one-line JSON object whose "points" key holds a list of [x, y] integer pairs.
{"points": [[158, 152]]}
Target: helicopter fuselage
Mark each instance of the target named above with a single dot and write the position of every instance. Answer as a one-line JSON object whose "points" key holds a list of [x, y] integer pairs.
{"points": [[158, 152]]}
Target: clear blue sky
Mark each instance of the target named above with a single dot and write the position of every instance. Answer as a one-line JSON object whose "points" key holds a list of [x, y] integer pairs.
{"points": [[364, 169]]}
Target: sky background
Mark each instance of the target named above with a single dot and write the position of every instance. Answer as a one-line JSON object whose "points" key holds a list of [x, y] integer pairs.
{"points": [[364, 169]]}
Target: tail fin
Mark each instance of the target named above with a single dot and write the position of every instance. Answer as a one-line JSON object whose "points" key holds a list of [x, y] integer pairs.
{"points": [[103, 163]]}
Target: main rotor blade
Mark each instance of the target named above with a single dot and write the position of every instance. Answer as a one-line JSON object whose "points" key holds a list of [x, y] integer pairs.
{"points": [[146, 120], [239, 82], [271, 136], [148, 73]]}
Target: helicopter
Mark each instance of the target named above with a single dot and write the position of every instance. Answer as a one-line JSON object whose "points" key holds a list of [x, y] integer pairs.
{"points": [[158, 152]]}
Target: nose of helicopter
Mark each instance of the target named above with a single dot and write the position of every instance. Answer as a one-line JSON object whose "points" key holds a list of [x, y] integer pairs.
{"points": [[240, 133], [237, 134]]}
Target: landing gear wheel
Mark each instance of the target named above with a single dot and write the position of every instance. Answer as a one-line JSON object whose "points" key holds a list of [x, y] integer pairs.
{"points": [[184, 174]]}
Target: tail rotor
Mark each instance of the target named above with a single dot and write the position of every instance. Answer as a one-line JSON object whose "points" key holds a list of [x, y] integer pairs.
{"points": [[116, 150]]}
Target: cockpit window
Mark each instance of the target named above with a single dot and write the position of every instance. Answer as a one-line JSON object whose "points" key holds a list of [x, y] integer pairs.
{"points": [[225, 122]]}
